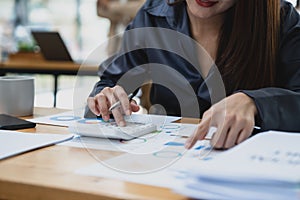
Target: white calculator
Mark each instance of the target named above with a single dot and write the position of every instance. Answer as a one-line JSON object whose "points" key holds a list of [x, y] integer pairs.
{"points": [[98, 128]]}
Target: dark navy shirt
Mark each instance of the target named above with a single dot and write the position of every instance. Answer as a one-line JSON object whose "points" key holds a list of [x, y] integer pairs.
{"points": [[167, 58]]}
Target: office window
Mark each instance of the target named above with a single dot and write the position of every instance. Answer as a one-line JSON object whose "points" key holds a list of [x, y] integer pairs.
{"points": [[6, 13], [6, 25], [76, 20], [79, 25]]}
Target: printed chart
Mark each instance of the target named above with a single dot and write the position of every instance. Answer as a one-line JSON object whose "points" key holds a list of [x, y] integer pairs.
{"points": [[62, 119]]}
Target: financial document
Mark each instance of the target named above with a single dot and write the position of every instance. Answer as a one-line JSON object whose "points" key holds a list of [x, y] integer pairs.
{"points": [[13, 143], [166, 131], [266, 166], [67, 118]]}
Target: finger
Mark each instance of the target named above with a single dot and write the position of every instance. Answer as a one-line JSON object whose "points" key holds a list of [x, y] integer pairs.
{"points": [[245, 133], [198, 134], [234, 131], [201, 130], [239, 130], [92, 106], [108, 93], [102, 104], [219, 137], [117, 113], [120, 94], [232, 137], [134, 106]]}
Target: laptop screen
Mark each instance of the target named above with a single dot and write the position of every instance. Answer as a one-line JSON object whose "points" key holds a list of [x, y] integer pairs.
{"points": [[52, 46]]}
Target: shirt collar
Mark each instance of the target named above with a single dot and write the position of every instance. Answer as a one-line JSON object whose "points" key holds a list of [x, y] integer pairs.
{"points": [[176, 15]]}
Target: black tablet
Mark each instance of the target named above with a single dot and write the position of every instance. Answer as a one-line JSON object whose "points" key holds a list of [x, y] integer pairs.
{"points": [[8, 122]]}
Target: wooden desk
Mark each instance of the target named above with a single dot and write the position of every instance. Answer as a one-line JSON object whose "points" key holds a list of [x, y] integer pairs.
{"points": [[48, 173], [36, 64]]}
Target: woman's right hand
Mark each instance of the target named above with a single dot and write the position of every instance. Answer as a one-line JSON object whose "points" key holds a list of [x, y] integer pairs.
{"points": [[101, 103]]}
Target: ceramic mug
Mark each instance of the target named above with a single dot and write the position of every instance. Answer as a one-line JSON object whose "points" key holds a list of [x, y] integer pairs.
{"points": [[16, 95]]}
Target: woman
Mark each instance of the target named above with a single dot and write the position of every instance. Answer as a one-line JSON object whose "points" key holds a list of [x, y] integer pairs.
{"points": [[256, 46]]}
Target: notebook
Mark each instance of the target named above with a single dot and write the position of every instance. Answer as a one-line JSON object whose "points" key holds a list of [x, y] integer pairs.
{"points": [[52, 46]]}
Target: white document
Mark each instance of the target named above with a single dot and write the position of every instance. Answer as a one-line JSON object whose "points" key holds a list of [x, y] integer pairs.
{"points": [[61, 119], [13, 143], [147, 143], [158, 120], [163, 167], [68, 118], [273, 156], [144, 143], [266, 166]]}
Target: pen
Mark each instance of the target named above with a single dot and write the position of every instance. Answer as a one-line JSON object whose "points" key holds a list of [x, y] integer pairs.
{"points": [[118, 103]]}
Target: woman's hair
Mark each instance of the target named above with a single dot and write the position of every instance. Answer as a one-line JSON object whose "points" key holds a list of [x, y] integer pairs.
{"points": [[248, 44]]}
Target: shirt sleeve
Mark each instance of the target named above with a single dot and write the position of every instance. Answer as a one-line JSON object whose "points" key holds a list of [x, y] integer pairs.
{"points": [[279, 107]]}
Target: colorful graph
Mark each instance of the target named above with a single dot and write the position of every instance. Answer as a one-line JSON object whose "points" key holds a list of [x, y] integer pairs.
{"points": [[279, 157], [174, 144], [91, 121], [65, 118], [135, 141], [167, 154], [167, 127]]}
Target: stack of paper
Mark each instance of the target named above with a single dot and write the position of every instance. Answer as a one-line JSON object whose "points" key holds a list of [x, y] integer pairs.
{"points": [[266, 166]]}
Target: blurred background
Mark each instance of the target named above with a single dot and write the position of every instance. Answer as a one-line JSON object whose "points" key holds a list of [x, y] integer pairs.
{"points": [[81, 28], [76, 21]]}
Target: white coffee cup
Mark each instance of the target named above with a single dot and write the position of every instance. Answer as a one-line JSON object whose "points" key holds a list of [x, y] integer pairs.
{"points": [[16, 95]]}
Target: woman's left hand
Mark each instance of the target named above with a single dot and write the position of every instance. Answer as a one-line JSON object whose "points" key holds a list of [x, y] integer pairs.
{"points": [[234, 118]]}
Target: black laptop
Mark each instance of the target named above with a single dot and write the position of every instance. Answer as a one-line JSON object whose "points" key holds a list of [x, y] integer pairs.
{"points": [[52, 45]]}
